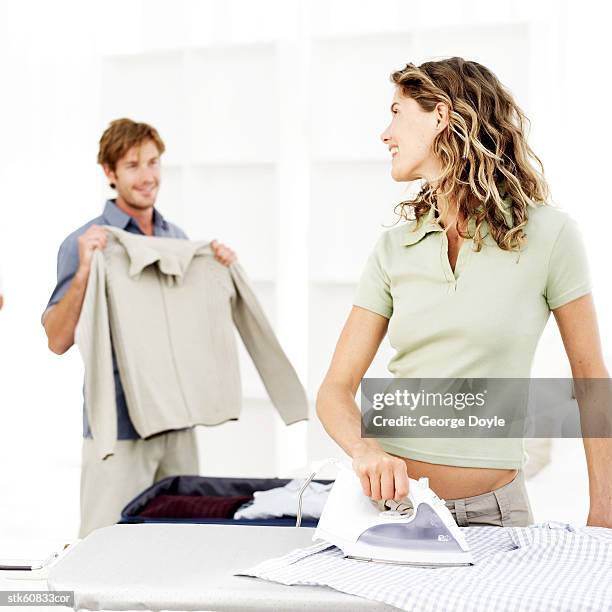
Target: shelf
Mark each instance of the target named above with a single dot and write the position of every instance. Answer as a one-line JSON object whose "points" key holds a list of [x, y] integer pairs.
{"points": [[402, 33], [225, 48], [213, 48], [233, 163], [382, 160], [265, 282], [156, 54], [337, 281]]}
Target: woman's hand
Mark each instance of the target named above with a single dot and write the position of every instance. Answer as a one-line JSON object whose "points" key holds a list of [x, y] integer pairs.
{"points": [[382, 476]]}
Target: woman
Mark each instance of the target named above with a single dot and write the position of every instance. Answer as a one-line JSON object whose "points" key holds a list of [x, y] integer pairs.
{"points": [[464, 290]]}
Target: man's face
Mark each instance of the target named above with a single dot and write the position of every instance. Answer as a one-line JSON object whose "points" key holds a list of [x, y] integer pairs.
{"points": [[137, 175]]}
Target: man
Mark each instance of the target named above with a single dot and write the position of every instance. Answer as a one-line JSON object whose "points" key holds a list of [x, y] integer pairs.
{"points": [[130, 157]]}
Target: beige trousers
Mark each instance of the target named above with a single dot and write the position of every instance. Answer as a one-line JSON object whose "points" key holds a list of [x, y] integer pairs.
{"points": [[507, 506], [107, 486]]}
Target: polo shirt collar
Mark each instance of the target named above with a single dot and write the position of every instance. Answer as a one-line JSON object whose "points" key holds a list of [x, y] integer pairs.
{"points": [[117, 218], [421, 227], [428, 223], [158, 220]]}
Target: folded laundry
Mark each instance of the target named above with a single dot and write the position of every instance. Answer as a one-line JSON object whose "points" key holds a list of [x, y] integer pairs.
{"points": [[193, 506], [283, 501], [171, 309], [548, 566]]}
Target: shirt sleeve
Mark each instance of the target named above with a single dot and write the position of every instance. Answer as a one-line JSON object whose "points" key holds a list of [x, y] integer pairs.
{"points": [[568, 270], [275, 370], [374, 289], [67, 266]]}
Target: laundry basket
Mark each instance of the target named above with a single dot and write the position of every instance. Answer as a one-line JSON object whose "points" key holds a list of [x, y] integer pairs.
{"points": [[210, 486]]}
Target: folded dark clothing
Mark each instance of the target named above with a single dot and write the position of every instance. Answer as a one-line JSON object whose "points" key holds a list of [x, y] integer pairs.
{"points": [[193, 506]]}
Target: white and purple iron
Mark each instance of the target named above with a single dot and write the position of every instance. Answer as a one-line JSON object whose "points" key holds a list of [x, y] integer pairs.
{"points": [[428, 537]]}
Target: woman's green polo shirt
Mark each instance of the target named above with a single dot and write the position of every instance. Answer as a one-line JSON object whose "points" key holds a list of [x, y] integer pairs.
{"points": [[482, 321]]}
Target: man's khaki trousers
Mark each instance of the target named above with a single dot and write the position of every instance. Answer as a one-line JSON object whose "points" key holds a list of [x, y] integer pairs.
{"points": [[107, 486]]}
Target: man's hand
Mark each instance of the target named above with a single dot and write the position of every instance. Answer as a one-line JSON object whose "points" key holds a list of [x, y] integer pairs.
{"points": [[223, 254], [93, 238], [61, 320]]}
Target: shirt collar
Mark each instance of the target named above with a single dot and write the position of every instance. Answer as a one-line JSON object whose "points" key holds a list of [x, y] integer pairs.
{"points": [[117, 218], [427, 223], [173, 257], [114, 215], [158, 220], [419, 228]]}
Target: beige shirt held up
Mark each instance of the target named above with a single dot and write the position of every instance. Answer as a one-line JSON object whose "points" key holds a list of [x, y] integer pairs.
{"points": [[170, 309]]}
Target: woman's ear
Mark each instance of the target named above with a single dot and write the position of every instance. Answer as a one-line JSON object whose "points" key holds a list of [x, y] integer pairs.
{"points": [[441, 115]]}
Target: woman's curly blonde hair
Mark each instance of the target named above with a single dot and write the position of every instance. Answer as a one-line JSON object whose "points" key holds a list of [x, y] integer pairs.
{"points": [[486, 161]]}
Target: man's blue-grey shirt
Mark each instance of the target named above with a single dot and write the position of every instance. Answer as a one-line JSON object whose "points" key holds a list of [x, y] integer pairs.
{"points": [[67, 266]]}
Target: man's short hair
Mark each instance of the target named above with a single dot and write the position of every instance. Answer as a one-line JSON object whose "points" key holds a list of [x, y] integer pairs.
{"points": [[120, 136]]}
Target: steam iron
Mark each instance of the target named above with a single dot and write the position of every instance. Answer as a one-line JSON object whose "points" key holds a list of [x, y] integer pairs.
{"points": [[427, 537]]}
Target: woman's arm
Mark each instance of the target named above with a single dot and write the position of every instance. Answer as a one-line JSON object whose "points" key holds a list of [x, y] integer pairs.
{"points": [[577, 322], [382, 476]]}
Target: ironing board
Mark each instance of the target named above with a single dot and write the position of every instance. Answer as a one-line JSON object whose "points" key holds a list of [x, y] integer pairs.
{"points": [[159, 566]]}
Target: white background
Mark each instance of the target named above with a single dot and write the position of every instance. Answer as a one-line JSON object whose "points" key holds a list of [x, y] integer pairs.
{"points": [[271, 112]]}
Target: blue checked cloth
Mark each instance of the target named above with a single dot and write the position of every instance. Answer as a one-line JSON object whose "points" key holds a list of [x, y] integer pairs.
{"points": [[548, 566]]}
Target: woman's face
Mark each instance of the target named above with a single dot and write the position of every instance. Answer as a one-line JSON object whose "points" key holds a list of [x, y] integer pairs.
{"points": [[410, 136]]}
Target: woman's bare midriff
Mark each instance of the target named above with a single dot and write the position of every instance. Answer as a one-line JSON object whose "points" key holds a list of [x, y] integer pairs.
{"points": [[451, 482]]}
